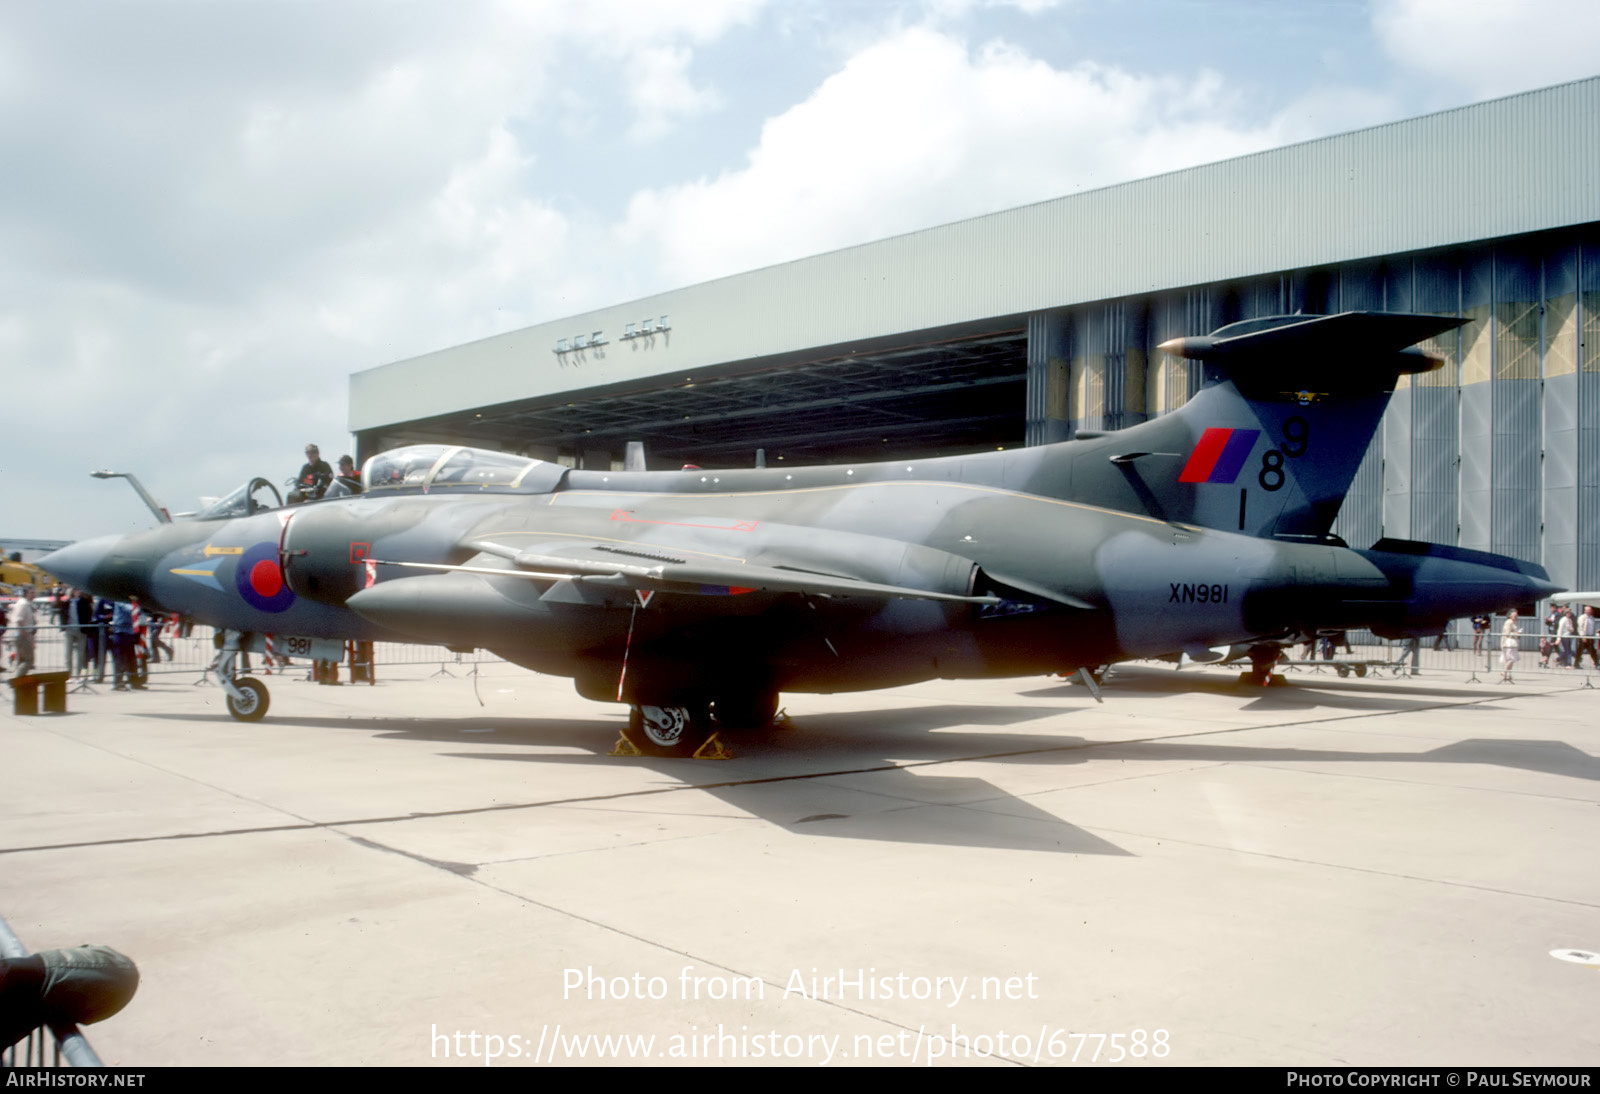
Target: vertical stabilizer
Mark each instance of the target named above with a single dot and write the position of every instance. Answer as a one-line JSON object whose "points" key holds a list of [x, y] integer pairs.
{"points": [[1270, 444]]}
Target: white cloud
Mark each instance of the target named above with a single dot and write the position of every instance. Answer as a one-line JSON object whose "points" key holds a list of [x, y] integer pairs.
{"points": [[1491, 49], [918, 130], [662, 93], [212, 214], [198, 245], [648, 45]]}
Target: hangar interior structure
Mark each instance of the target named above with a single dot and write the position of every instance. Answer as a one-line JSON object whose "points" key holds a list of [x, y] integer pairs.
{"points": [[1030, 325]]}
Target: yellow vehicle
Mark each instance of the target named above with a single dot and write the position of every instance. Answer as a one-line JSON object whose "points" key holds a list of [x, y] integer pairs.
{"points": [[25, 575]]}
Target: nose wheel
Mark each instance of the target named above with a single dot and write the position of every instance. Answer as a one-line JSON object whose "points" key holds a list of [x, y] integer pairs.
{"points": [[247, 699]]}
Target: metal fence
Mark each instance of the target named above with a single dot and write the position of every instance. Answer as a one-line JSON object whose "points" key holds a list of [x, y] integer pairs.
{"points": [[1473, 658], [172, 651], [49, 1045]]}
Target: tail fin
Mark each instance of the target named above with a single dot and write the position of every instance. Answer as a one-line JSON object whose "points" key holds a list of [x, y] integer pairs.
{"points": [[1271, 443]]}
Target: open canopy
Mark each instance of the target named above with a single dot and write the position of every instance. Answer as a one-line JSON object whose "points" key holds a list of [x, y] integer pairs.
{"points": [[427, 467]]}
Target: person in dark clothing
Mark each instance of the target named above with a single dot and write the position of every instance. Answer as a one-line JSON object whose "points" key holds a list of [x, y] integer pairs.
{"points": [[1480, 627], [77, 632], [315, 474], [123, 636], [104, 612]]}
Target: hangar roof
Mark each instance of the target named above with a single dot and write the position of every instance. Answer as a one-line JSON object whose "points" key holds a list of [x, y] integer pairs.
{"points": [[1521, 164]]}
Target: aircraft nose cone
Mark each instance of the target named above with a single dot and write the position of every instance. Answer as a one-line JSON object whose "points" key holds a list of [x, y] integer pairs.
{"points": [[1543, 589], [76, 563]]}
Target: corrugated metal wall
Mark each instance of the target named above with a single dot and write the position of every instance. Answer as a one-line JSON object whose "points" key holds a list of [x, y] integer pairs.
{"points": [[1559, 305], [1517, 421], [1359, 286], [1429, 490], [1048, 364], [1587, 570]]}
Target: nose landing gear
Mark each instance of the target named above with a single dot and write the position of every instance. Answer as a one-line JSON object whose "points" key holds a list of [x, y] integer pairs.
{"points": [[247, 699]]}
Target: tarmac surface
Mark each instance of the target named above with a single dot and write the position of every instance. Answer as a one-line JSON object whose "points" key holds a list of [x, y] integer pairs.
{"points": [[1338, 872]]}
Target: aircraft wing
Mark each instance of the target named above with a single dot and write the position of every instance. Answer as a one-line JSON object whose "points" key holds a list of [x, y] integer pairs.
{"points": [[659, 569]]}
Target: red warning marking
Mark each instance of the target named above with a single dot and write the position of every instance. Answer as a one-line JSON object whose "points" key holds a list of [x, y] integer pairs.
{"points": [[627, 517], [265, 578], [644, 596], [360, 552]]}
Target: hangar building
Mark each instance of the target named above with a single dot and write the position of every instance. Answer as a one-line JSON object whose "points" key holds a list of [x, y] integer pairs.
{"points": [[1028, 325]]}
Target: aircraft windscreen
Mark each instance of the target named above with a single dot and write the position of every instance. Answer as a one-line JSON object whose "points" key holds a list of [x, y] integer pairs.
{"points": [[342, 487], [255, 496], [437, 466]]}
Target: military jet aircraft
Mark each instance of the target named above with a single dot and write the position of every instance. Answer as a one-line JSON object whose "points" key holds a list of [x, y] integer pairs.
{"points": [[697, 596]]}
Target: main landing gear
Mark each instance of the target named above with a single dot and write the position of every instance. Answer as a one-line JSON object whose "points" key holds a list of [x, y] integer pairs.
{"points": [[677, 731], [1262, 658], [694, 730], [749, 710]]}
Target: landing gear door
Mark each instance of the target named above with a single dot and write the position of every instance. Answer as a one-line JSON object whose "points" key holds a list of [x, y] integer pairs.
{"points": [[315, 649]]}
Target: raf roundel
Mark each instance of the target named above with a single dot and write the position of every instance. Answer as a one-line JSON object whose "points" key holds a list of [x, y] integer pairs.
{"points": [[260, 580]]}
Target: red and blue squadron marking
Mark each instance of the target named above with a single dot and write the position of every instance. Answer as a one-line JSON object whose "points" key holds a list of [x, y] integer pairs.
{"points": [[1220, 455]]}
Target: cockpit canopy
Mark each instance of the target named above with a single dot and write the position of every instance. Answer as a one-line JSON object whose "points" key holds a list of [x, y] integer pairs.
{"points": [[256, 496], [425, 468]]}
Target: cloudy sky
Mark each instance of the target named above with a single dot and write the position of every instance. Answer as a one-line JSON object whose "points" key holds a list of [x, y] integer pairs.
{"points": [[211, 213]]}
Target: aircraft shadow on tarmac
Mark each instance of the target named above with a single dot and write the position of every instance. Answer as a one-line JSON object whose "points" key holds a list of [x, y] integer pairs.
{"points": [[828, 775], [843, 774], [859, 792]]}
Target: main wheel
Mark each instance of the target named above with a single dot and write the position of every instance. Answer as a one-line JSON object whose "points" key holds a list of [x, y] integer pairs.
{"points": [[746, 710], [252, 706], [666, 731]]}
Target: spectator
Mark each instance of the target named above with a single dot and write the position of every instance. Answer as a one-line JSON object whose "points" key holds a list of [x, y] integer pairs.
{"points": [[76, 630], [315, 474], [1587, 634], [123, 637], [155, 623], [1510, 644], [348, 474], [141, 647], [1566, 638], [101, 636], [19, 632]]}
